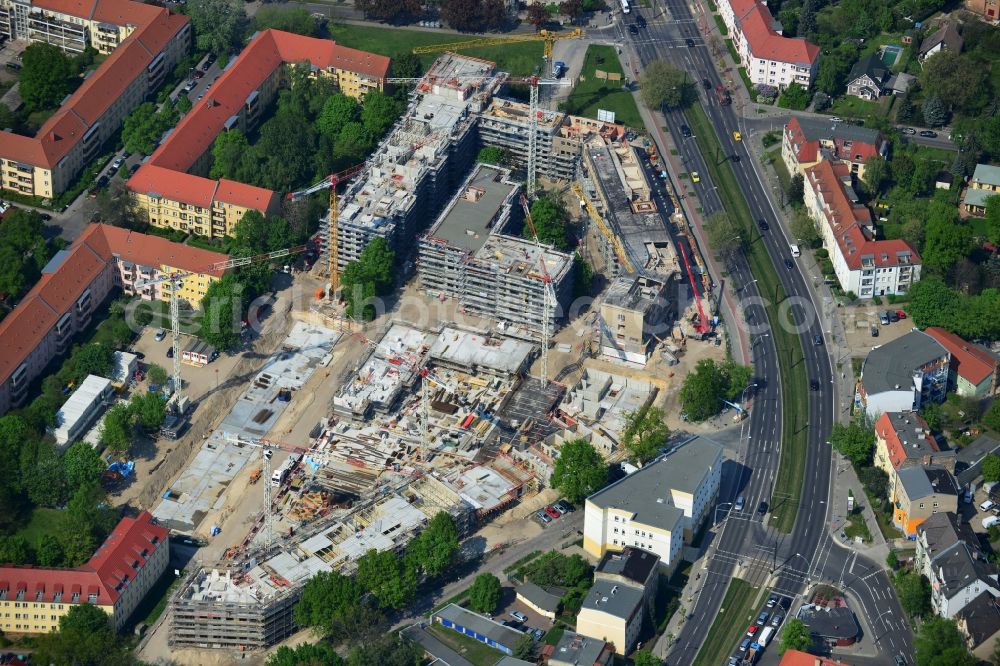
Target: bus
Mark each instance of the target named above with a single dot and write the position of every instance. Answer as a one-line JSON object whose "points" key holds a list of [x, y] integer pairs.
{"points": [[625, 8]]}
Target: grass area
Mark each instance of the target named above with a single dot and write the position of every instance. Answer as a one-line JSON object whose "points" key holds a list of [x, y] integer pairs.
{"points": [[722, 25], [779, 168], [478, 653], [554, 635], [668, 596], [794, 387], [518, 59], [457, 600], [43, 521], [858, 527], [155, 601], [521, 562], [592, 93], [736, 612], [854, 107]]}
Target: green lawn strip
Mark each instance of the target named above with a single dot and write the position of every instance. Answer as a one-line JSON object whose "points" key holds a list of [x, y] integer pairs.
{"points": [[591, 93], [779, 168], [43, 521], [518, 59], [794, 386], [554, 635], [155, 602], [730, 624], [478, 653], [722, 25]]}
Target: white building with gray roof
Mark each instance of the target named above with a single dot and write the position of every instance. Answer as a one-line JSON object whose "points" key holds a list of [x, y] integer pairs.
{"points": [[901, 375], [613, 613]]}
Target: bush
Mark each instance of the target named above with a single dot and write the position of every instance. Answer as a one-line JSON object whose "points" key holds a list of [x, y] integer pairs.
{"points": [[876, 299]]}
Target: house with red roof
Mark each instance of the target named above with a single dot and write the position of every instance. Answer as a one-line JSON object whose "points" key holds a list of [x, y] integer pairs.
{"points": [[807, 141], [799, 658], [863, 265], [768, 57], [973, 370], [168, 186], [116, 579], [144, 42], [903, 439], [76, 281]]}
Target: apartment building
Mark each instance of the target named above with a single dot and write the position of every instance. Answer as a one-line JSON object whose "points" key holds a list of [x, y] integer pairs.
{"points": [[985, 183], [575, 649], [612, 613], [948, 553], [171, 187], [73, 26], [631, 566], [150, 41], [987, 10], [919, 493], [636, 311], [979, 623], [471, 254], [116, 579], [901, 375], [769, 57], [75, 282], [864, 266], [903, 440], [973, 370], [807, 141], [657, 508]]}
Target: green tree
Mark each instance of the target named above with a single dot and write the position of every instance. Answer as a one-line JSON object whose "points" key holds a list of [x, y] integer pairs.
{"points": [[392, 11], [957, 79], [663, 84], [222, 307], [288, 19], [116, 435], [46, 483], [156, 375], [387, 650], [579, 470], [45, 76], [371, 275], [330, 601], [485, 593], [875, 481], [892, 560], [184, 105], [804, 228], [228, 151], [143, 128], [939, 643], [91, 359], [218, 24], [406, 64], [549, 217], [524, 648], [794, 97], [436, 549], [876, 173], [118, 206], [645, 432], [571, 8], [914, 592], [855, 441], [389, 578], [338, 110], [993, 219], [583, 276], [795, 636], [991, 466], [15, 549], [49, 551], [991, 419], [725, 235], [379, 113], [646, 658], [84, 638], [148, 410], [703, 390], [305, 654], [935, 111], [795, 190], [259, 234], [492, 155], [946, 240], [473, 15], [83, 465]]}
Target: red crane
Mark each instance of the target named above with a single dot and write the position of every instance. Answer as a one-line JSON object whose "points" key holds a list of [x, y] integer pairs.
{"points": [[703, 326]]}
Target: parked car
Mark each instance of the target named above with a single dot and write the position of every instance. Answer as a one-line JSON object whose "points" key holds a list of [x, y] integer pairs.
{"points": [[733, 661], [538, 634], [907, 130], [189, 86], [735, 158], [519, 616], [900, 314], [640, 20], [197, 74], [771, 601], [837, 119], [927, 134], [893, 317], [899, 660], [874, 331], [117, 164], [160, 335], [552, 512], [542, 516], [987, 505], [883, 318], [563, 507], [170, 352]]}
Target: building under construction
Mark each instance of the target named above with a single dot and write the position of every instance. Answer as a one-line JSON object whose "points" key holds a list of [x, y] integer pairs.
{"points": [[470, 254]]}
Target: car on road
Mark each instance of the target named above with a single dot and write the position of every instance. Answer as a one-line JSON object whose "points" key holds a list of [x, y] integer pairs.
{"points": [[633, 29], [814, 385], [762, 618], [735, 158], [771, 601], [762, 223], [519, 616], [752, 630], [788, 264], [837, 119], [160, 335], [776, 619], [640, 20], [117, 164], [745, 644], [706, 84], [740, 502], [737, 136], [818, 340], [762, 509], [685, 131], [102, 181], [899, 660], [542, 516], [733, 661], [927, 134], [553, 514], [689, 42], [907, 130], [695, 178], [189, 86]]}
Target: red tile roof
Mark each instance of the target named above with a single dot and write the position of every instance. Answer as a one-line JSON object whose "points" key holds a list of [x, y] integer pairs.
{"points": [[886, 430], [807, 149], [796, 658], [115, 564], [756, 24], [972, 362], [248, 196], [173, 185], [147, 250]]}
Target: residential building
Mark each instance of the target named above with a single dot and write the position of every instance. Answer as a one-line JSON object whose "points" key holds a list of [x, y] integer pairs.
{"points": [[920, 492], [632, 566], [797, 658], [969, 460], [75, 282], [152, 42], [478, 627], [985, 183], [472, 253], [116, 579], [979, 622], [635, 312], [943, 180], [83, 406], [945, 38], [973, 369], [768, 57], [868, 77], [899, 83], [863, 265], [807, 141], [171, 187], [543, 601], [988, 10], [612, 613], [902, 440], [575, 649], [832, 626], [948, 554], [901, 375], [657, 508]]}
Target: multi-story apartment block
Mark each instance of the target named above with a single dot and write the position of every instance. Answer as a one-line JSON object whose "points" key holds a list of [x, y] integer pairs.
{"points": [[612, 613], [864, 266], [948, 553], [769, 58], [919, 493], [985, 183], [116, 579], [903, 440], [901, 375], [149, 41], [973, 371], [171, 187], [636, 310], [807, 141], [75, 282]]}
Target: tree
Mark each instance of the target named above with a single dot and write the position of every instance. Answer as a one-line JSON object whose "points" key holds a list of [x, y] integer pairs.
{"points": [[892, 560], [549, 217], [485, 593], [991, 419], [583, 276], [259, 234], [939, 643], [957, 79], [84, 638], [794, 97], [645, 432], [571, 8], [407, 64], [474, 15], [855, 441], [338, 110], [946, 240], [49, 552], [156, 375], [379, 113], [371, 275], [305, 654], [492, 155], [934, 110], [148, 410], [537, 14], [218, 24], [795, 636], [289, 19], [579, 470], [796, 189], [227, 154], [725, 235], [914, 592], [524, 648], [143, 128], [646, 658], [387, 650], [436, 549], [83, 465], [876, 173], [15, 549], [804, 228], [991, 464], [662, 84], [91, 359], [703, 390], [993, 219], [118, 206], [116, 435], [45, 76], [222, 307], [875, 481], [390, 579], [183, 105], [329, 599], [391, 11]]}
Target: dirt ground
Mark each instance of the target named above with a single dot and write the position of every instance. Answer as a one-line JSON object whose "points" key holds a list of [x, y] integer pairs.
{"points": [[858, 321]]}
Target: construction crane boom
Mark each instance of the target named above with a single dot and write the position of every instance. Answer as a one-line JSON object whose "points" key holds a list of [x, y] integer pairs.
{"points": [[602, 226], [548, 295], [703, 326]]}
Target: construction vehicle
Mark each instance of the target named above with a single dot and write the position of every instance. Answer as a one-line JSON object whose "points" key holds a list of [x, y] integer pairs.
{"points": [[722, 94], [548, 37], [702, 327], [548, 294], [255, 475]]}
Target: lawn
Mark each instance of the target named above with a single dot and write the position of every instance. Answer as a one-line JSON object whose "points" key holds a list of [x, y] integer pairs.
{"points": [[852, 107], [155, 602], [592, 93], [794, 388], [735, 614], [779, 168], [43, 521], [478, 653], [518, 59], [857, 527]]}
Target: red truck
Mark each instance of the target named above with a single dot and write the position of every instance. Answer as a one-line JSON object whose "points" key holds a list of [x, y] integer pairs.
{"points": [[723, 94]]}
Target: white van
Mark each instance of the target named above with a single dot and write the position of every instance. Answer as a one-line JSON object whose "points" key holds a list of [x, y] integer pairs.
{"points": [[795, 250], [987, 505], [990, 522], [765, 636]]}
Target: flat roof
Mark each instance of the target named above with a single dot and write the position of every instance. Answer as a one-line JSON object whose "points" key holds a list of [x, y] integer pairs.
{"points": [[574, 648], [472, 350], [609, 597], [538, 596], [523, 257], [470, 217], [891, 366], [635, 292], [500, 634], [90, 390], [632, 563]]}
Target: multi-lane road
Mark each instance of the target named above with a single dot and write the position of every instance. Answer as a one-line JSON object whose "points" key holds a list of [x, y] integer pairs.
{"points": [[788, 563]]}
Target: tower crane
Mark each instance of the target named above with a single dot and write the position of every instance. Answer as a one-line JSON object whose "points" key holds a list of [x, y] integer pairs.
{"points": [[175, 280], [332, 247], [548, 293], [703, 326]]}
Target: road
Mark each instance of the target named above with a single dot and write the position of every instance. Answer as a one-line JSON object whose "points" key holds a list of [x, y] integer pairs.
{"points": [[788, 563]]}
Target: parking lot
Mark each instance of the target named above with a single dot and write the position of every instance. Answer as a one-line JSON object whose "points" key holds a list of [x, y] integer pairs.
{"points": [[531, 619], [858, 323], [763, 632], [550, 514]]}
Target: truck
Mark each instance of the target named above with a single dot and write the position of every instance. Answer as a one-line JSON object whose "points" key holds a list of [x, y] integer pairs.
{"points": [[625, 6], [723, 94], [765, 637], [752, 654]]}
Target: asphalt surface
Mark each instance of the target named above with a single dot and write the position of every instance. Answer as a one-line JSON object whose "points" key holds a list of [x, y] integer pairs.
{"points": [[763, 556]]}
